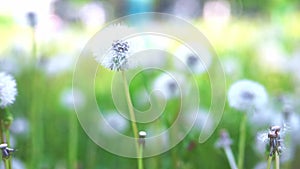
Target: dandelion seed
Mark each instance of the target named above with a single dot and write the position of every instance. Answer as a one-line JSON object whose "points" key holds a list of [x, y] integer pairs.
{"points": [[8, 90], [247, 95]]}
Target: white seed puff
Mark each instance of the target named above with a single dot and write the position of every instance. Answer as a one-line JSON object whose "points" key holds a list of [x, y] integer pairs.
{"points": [[8, 90]]}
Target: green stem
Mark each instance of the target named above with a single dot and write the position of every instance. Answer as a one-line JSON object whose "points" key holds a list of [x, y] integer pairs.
{"points": [[9, 165], [131, 113], [242, 142], [140, 158], [230, 157], [269, 162], [73, 140], [130, 107], [2, 139], [277, 162]]}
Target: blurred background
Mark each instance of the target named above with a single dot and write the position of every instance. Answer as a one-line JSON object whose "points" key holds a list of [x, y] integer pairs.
{"points": [[40, 41]]}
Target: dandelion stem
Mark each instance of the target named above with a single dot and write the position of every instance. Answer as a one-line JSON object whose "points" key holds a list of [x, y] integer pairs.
{"points": [[131, 111], [9, 165], [269, 162], [2, 139], [230, 157], [140, 158], [277, 162], [242, 142]]}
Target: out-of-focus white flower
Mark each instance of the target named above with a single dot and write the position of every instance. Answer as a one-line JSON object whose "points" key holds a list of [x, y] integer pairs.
{"points": [[114, 120], [263, 117], [217, 12], [59, 64], [169, 85], [16, 163], [294, 64], [189, 60], [92, 15], [231, 66], [187, 9], [160, 142], [71, 97], [272, 56], [8, 90], [20, 126], [247, 95], [224, 140]]}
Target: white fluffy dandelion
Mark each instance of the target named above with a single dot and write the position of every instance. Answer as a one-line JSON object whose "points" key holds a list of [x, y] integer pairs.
{"points": [[247, 95], [8, 90], [114, 52], [117, 58]]}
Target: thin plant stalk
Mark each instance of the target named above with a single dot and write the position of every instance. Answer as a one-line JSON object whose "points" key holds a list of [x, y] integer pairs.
{"points": [[130, 107], [277, 162], [131, 113], [140, 158], [242, 142], [269, 162], [8, 144], [73, 140], [230, 157], [36, 109], [2, 141]]}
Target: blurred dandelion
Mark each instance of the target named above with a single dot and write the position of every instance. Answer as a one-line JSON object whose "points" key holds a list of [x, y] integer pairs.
{"points": [[8, 90], [247, 95], [71, 97], [224, 142], [20, 125], [197, 64], [169, 85], [115, 121]]}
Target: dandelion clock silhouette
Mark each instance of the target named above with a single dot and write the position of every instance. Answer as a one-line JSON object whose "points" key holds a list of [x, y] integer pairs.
{"points": [[145, 68]]}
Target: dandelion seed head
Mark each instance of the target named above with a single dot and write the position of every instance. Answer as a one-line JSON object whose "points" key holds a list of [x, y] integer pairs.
{"points": [[169, 86], [117, 58], [115, 121], [224, 140], [114, 53], [247, 95], [197, 64], [71, 97], [8, 90], [20, 125]]}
